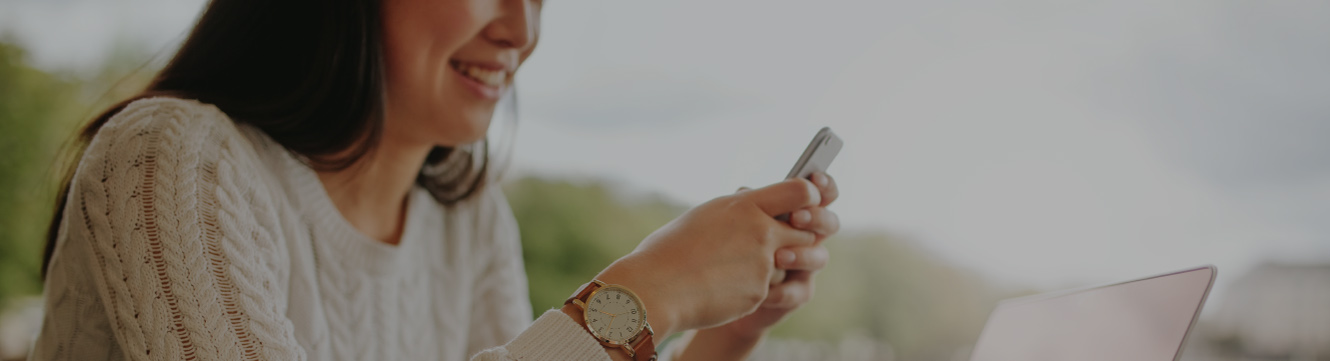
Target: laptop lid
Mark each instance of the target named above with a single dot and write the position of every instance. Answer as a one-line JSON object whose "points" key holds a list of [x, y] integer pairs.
{"points": [[1139, 320]]}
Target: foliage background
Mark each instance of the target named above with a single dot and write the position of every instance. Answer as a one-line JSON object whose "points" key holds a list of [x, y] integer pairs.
{"points": [[34, 108]]}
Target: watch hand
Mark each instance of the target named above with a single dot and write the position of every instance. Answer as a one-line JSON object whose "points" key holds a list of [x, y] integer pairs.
{"points": [[611, 314]]}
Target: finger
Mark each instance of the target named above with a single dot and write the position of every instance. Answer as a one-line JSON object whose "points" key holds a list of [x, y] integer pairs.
{"points": [[785, 256], [818, 220], [777, 278], [797, 290], [826, 185], [799, 218], [785, 197], [802, 258], [786, 236]]}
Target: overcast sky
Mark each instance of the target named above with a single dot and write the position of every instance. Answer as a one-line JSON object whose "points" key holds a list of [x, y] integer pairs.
{"points": [[1045, 143]]}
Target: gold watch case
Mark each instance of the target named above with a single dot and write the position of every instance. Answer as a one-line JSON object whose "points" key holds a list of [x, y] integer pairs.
{"points": [[614, 301]]}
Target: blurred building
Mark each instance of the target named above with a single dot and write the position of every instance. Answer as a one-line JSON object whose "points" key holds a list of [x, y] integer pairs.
{"points": [[1276, 312]]}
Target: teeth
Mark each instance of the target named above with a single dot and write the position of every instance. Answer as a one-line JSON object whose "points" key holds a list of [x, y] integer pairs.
{"points": [[489, 77]]}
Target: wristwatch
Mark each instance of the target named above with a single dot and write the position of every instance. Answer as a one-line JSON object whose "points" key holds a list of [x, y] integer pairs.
{"points": [[616, 318]]}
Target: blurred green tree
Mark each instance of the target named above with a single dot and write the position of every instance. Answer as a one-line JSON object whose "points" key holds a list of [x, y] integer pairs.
{"points": [[571, 231], [31, 102], [890, 289]]}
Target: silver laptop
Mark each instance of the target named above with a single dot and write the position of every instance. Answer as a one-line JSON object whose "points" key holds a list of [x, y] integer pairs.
{"points": [[1139, 320]]}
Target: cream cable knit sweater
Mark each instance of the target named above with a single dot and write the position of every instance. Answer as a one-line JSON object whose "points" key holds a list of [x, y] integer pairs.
{"points": [[188, 237]]}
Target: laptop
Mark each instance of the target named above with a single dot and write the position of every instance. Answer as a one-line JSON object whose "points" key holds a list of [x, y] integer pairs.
{"points": [[1146, 319]]}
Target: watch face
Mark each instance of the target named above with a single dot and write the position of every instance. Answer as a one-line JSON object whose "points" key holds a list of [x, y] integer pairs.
{"points": [[615, 314]]}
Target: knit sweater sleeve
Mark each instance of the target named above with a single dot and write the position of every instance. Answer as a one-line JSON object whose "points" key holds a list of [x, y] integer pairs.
{"points": [[554, 336], [169, 206]]}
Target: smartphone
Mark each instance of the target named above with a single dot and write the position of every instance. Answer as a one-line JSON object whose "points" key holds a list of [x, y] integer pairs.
{"points": [[816, 158]]}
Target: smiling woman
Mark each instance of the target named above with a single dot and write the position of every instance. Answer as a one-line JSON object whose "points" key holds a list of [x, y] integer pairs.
{"points": [[307, 180]]}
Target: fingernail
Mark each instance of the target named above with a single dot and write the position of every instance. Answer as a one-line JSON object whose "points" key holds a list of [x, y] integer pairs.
{"points": [[802, 217], [819, 179], [785, 256]]}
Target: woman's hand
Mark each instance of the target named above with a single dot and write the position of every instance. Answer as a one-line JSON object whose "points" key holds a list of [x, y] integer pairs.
{"points": [[798, 263], [714, 263], [734, 340]]}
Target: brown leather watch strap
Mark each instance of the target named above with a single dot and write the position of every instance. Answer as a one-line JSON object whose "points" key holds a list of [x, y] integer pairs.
{"points": [[584, 291], [645, 350]]}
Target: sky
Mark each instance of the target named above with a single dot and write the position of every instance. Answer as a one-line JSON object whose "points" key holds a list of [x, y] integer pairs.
{"points": [[1040, 143]]}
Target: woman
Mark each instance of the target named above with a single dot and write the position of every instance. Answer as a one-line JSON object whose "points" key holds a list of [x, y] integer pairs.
{"points": [[308, 181]]}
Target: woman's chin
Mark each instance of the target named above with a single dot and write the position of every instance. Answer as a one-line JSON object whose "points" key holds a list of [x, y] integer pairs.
{"points": [[461, 134], [446, 129]]}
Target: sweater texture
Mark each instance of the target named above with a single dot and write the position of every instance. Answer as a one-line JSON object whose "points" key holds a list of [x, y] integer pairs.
{"points": [[187, 236]]}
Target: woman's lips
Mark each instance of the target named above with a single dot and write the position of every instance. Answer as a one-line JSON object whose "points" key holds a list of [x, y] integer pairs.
{"points": [[486, 81]]}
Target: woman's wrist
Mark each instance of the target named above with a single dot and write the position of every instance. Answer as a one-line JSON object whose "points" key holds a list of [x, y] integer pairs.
{"points": [[661, 310], [661, 315]]}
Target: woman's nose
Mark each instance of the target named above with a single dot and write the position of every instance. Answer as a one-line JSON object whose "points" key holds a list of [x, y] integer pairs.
{"points": [[518, 25]]}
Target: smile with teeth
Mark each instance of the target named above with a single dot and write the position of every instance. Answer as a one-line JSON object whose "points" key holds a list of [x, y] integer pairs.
{"points": [[490, 77]]}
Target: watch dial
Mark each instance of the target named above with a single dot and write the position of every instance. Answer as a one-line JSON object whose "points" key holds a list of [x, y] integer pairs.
{"points": [[614, 315]]}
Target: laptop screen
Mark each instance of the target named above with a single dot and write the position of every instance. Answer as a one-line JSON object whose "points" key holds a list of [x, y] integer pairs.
{"points": [[1140, 320]]}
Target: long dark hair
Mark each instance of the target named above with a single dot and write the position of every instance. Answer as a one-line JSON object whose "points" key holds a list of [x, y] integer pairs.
{"points": [[308, 73]]}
